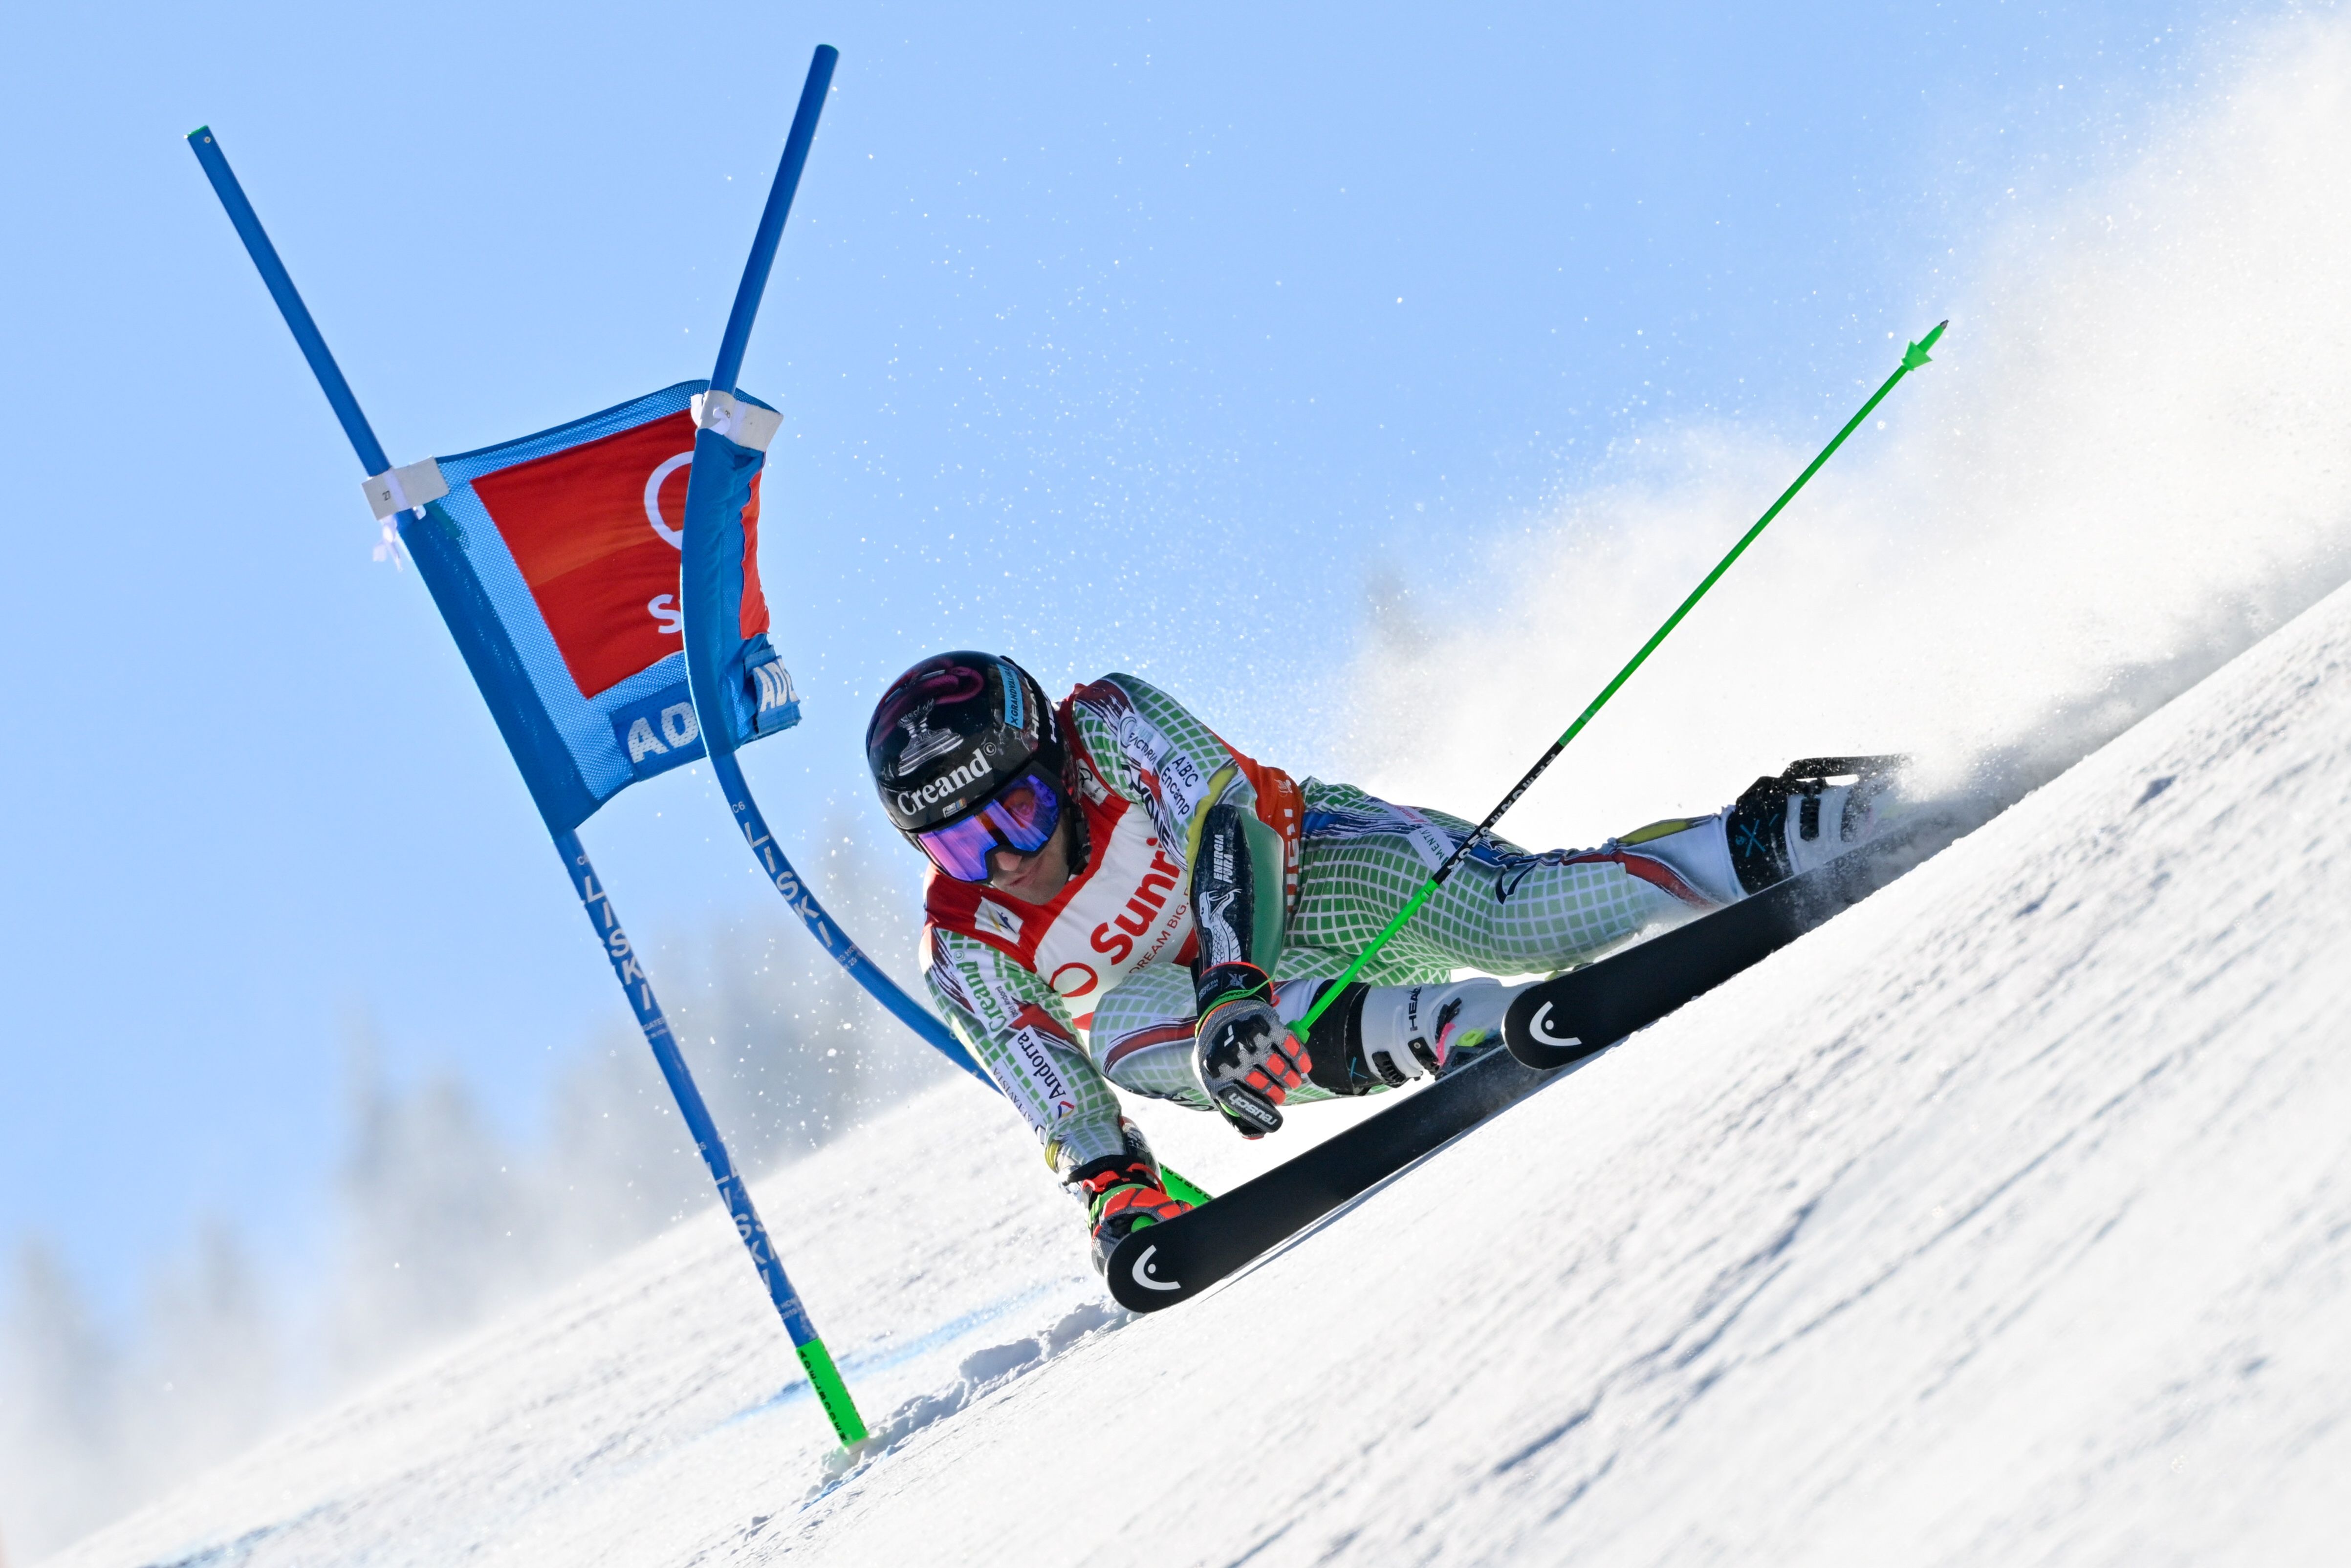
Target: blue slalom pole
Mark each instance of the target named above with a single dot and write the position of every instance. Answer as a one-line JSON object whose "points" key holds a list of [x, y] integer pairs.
{"points": [[717, 734], [815, 1359], [822, 926], [771, 220], [289, 304]]}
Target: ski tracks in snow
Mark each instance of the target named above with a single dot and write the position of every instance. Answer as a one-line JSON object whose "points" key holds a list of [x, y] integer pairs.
{"points": [[979, 1375]]}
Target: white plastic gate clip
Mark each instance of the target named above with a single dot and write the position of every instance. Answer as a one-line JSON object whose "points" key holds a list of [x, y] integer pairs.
{"points": [[407, 489], [745, 424]]}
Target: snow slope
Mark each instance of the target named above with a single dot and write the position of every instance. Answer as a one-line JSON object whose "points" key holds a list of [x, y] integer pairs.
{"points": [[2006, 1220]]}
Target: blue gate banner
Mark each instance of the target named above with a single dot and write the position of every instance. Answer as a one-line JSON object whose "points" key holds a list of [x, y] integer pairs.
{"points": [[555, 561]]}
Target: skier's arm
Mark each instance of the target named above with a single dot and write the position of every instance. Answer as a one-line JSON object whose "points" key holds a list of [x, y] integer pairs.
{"points": [[1017, 1028], [1236, 873], [1146, 747], [1248, 1062]]}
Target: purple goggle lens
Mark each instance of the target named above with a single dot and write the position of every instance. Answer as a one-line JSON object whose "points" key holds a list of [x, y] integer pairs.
{"points": [[1021, 818]]}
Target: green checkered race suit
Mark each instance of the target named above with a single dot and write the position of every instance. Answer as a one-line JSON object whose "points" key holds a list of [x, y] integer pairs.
{"points": [[1150, 771]]}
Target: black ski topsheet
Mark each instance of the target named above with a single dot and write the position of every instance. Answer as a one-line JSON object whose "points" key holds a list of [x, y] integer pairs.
{"points": [[1590, 1009], [1162, 1264], [1553, 1028]]}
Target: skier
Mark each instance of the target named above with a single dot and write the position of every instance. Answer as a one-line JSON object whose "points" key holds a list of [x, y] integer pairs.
{"points": [[1117, 897]]}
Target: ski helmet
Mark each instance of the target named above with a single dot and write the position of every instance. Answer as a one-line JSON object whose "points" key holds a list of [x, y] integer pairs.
{"points": [[949, 737]]}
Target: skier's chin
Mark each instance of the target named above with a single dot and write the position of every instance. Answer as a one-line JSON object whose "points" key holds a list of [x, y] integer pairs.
{"points": [[1031, 881]]}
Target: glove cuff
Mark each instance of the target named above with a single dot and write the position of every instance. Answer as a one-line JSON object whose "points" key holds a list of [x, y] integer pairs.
{"points": [[1219, 984]]}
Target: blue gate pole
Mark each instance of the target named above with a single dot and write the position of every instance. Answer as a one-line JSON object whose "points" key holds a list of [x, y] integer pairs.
{"points": [[815, 1359], [829, 935], [717, 738], [770, 233], [289, 304]]}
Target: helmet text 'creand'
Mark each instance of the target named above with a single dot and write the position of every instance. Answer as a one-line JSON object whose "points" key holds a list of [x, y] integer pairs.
{"points": [[912, 801]]}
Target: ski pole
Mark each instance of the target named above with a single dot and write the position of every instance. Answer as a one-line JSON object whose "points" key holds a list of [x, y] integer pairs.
{"points": [[1913, 356]]}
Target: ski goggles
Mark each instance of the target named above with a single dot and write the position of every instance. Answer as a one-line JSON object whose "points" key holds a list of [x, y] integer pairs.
{"points": [[1020, 818]]}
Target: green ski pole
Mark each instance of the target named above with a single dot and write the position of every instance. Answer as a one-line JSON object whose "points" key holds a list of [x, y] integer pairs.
{"points": [[1914, 356]]}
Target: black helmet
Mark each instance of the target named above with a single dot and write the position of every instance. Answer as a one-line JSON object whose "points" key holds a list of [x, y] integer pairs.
{"points": [[953, 730]]}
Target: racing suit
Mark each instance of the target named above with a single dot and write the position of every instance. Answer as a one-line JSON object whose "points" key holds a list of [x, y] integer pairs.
{"points": [[1061, 1001]]}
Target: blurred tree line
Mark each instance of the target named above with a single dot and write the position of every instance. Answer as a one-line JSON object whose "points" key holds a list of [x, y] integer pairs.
{"points": [[440, 1222]]}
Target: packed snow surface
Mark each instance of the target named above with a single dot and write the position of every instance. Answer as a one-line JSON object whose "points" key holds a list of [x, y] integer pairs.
{"points": [[2005, 1220]]}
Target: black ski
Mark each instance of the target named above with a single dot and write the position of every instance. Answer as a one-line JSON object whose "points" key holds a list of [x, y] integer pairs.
{"points": [[1552, 1028], [1162, 1264], [1590, 1009]]}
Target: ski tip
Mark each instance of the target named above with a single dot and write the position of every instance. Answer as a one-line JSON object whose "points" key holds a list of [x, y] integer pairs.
{"points": [[1140, 1280], [201, 133]]}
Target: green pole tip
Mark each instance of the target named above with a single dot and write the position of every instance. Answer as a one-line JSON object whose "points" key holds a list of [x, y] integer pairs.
{"points": [[1916, 355], [206, 131]]}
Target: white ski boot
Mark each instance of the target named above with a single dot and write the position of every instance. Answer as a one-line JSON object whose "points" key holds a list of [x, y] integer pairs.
{"points": [[1411, 1030], [1383, 1036], [1818, 809]]}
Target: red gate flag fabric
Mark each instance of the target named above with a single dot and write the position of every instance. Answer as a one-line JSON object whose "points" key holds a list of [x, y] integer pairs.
{"points": [[555, 559], [595, 532]]}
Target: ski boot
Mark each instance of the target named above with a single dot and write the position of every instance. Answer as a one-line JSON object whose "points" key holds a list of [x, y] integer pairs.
{"points": [[1123, 1193], [1383, 1036], [1409, 1030], [1785, 827]]}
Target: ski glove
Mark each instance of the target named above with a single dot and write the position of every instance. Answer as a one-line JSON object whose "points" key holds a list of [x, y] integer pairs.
{"points": [[1123, 1193], [1246, 1061]]}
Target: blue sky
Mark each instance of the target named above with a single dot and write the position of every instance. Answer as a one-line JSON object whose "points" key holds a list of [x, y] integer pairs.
{"points": [[1116, 338]]}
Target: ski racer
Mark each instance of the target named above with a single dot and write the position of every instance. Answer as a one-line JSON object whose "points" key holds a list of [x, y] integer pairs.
{"points": [[1117, 897]]}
